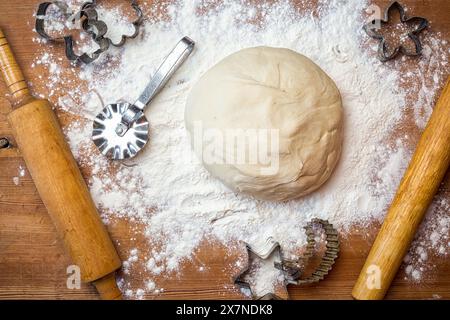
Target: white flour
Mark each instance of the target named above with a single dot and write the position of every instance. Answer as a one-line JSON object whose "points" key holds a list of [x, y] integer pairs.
{"points": [[179, 203], [262, 276]]}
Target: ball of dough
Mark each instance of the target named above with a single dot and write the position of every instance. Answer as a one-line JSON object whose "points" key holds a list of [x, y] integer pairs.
{"points": [[268, 90]]}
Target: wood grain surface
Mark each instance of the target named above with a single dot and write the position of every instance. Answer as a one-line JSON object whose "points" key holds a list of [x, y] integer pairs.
{"points": [[32, 260]]}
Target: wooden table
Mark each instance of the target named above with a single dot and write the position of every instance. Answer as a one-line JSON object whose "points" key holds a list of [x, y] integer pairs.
{"points": [[32, 260]]}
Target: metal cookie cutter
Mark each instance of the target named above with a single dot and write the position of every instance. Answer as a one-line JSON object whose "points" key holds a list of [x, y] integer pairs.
{"points": [[94, 27], [97, 29], [90, 23], [293, 271], [121, 130], [383, 51], [271, 248], [136, 23]]}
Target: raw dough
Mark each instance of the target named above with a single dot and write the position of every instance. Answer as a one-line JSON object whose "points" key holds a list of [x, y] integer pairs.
{"points": [[268, 89]]}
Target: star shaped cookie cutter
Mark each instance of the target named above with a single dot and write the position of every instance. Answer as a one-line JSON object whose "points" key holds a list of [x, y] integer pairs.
{"points": [[293, 271], [383, 51], [271, 248], [90, 23]]}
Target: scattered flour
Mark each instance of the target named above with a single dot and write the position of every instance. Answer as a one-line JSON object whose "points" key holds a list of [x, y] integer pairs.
{"points": [[433, 239], [176, 199], [122, 27]]}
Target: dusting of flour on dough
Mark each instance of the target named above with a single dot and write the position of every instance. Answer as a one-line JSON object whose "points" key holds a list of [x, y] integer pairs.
{"points": [[176, 200]]}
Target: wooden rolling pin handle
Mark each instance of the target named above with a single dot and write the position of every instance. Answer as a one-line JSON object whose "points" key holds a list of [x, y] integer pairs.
{"points": [[59, 181], [12, 74], [107, 288], [414, 196]]}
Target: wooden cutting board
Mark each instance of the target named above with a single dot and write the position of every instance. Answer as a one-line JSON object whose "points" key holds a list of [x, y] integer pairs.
{"points": [[33, 263]]}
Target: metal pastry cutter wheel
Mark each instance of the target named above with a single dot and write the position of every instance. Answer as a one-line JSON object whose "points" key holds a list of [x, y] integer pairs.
{"points": [[121, 130]]}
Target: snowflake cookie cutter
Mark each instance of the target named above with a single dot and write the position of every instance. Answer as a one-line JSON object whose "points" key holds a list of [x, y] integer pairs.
{"points": [[90, 24], [383, 52], [293, 271]]}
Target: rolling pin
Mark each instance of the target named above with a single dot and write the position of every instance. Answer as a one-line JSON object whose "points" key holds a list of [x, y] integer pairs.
{"points": [[59, 181], [420, 184]]}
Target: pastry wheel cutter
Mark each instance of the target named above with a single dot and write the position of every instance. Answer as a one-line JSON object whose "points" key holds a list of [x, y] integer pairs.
{"points": [[121, 130]]}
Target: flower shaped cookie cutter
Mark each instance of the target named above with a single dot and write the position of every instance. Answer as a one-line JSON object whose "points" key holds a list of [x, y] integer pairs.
{"points": [[136, 23], [384, 55], [90, 23]]}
